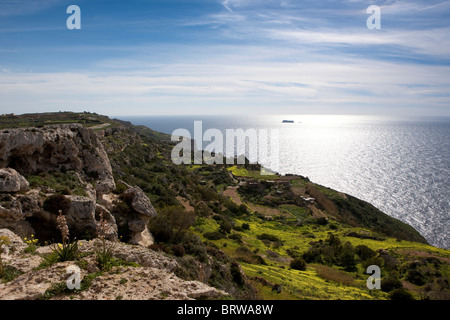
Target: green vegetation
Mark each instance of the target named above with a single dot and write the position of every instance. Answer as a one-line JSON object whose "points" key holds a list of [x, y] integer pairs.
{"points": [[243, 172], [66, 183], [45, 119], [261, 238]]}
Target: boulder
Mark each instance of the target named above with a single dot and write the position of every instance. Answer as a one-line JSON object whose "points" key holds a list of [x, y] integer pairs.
{"points": [[140, 202], [12, 181], [83, 218], [139, 219]]}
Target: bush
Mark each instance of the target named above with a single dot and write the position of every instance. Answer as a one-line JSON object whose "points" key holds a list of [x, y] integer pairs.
{"points": [[347, 257], [169, 222], [245, 226], [236, 273], [269, 237], [401, 294], [364, 252], [298, 264], [57, 202], [120, 188], [376, 261], [416, 277], [225, 226], [313, 255], [390, 283], [178, 250], [243, 209], [215, 235], [333, 240], [244, 254], [236, 237]]}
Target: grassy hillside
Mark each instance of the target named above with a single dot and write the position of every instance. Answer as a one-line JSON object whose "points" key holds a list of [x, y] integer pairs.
{"points": [[292, 238]]}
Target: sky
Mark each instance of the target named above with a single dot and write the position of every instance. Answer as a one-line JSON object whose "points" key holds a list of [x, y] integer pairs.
{"points": [[175, 57]]}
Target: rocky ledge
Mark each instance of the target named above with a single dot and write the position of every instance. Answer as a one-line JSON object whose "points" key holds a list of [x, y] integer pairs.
{"points": [[142, 274]]}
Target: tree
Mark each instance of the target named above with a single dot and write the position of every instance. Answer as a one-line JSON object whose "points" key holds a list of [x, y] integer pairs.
{"points": [[225, 226], [347, 257], [170, 221]]}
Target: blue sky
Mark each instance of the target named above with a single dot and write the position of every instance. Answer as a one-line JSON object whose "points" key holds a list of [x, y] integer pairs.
{"points": [[143, 57]]}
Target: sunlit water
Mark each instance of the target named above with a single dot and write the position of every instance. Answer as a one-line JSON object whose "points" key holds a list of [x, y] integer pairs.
{"points": [[400, 166]]}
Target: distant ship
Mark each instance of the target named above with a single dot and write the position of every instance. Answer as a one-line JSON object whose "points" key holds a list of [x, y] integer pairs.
{"points": [[288, 121]]}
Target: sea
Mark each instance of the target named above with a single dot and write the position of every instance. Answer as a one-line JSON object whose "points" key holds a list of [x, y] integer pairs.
{"points": [[400, 165]]}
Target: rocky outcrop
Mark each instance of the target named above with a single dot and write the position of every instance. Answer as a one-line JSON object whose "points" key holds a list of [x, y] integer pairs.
{"points": [[83, 218], [12, 213], [137, 219], [62, 147], [12, 181], [151, 277], [74, 148]]}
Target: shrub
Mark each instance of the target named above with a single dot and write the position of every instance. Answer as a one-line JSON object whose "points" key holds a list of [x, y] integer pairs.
{"points": [[347, 257], [245, 226], [243, 209], [313, 255], [236, 237], [401, 294], [377, 261], [244, 254], [390, 283], [170, 221], [269, 237], [215, 235], [416, 277], [120, 188], [298, 264], [178, 250], [364, 252], [293, 253], [57, 202], [225, 226], [236, 273], [333, 240]]}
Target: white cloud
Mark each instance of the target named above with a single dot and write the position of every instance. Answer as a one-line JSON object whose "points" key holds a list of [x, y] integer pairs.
{"points": [[283, 86]]}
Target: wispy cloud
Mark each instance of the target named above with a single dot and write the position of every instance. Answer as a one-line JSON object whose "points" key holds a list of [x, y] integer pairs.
{"points": [[241, 55], [25, 7]]}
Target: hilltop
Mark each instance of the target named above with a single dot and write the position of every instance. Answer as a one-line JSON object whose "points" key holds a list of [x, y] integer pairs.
{"points": [[245, 235]]}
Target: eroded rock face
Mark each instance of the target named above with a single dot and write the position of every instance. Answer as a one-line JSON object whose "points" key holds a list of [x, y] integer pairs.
{"points": [[140, 202], [138, 220], [12, 181], [62, 147], [151, 279], [68, 147]]}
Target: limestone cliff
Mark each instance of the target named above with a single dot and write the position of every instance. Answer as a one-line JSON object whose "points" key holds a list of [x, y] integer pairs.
{"points": [[63, 149], [57, 147]]}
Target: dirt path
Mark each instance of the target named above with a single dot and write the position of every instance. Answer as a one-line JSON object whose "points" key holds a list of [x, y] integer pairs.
{"points": [[100, 126], [233, 194], [185, 204]]}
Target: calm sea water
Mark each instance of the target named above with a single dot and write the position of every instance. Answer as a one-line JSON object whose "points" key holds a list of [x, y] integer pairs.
{"points": [[402, 166]]}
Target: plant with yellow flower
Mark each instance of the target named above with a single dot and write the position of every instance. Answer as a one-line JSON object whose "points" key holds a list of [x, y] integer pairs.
{"points": [[32, 244], [67, 250]]}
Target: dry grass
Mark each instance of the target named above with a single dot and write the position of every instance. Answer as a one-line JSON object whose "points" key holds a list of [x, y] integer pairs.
{"points": [[334, 275], [322, 200]]}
